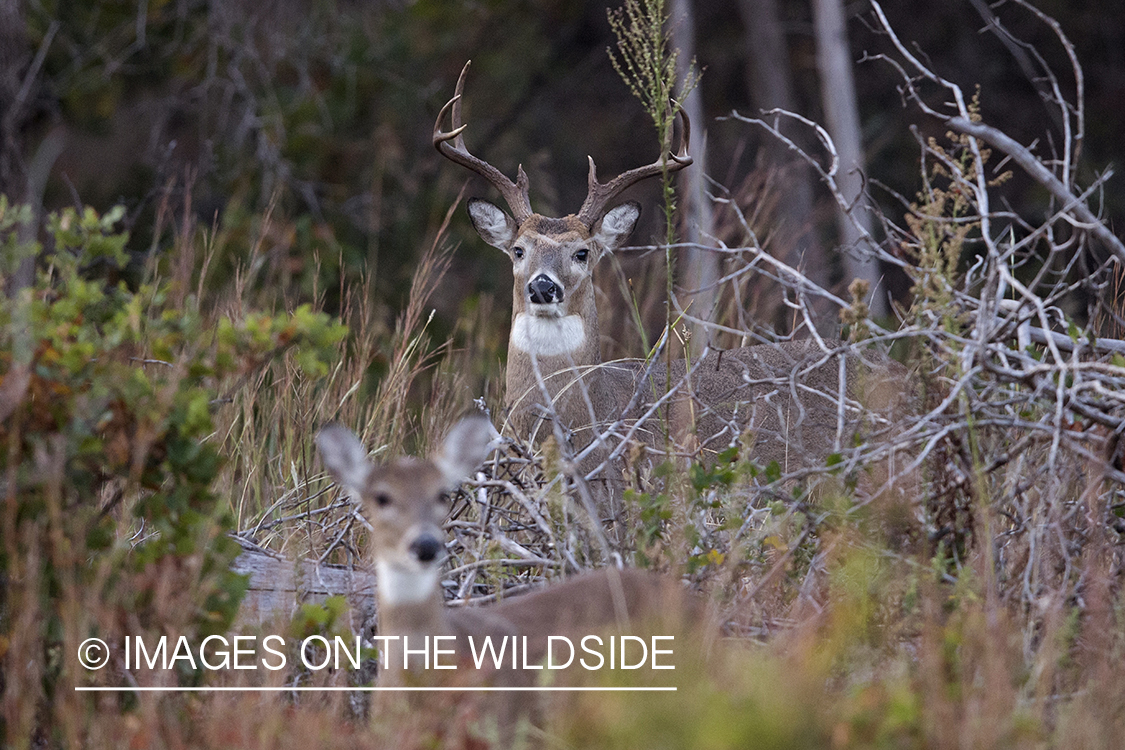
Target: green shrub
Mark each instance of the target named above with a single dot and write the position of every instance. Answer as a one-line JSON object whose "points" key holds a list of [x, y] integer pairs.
{"points": [[111, 525]]}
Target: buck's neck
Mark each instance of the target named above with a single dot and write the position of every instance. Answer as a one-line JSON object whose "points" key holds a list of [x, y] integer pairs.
{"points": [[557, 342], [564, 337], [554, 330], [556, 346]]}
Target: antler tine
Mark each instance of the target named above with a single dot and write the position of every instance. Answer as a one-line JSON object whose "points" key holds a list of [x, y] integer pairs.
{"points": [[599, 195], [451, 145]]}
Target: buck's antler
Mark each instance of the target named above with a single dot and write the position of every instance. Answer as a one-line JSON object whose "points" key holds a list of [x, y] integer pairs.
{"points": [[598, 195], [451, 145]]}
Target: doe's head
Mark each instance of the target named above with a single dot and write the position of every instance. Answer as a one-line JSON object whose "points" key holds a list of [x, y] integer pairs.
{"points": [[405, 500]]}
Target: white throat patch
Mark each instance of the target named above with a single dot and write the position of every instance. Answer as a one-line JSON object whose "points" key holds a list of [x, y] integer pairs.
{"points": [[399, 586], [548, 337]]}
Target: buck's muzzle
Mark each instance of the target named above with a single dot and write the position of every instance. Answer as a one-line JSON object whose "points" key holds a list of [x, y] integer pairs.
{"points": [[543, 290]]}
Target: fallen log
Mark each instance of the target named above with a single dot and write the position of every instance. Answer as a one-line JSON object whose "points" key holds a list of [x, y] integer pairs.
{"points": [[279, 586]]}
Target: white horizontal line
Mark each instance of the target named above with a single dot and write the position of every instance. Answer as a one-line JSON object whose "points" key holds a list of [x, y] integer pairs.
{"points": [[335, 689]]}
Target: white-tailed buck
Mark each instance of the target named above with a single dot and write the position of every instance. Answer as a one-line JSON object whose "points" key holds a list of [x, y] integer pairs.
{"points": [[787, 393], [405, 501]]}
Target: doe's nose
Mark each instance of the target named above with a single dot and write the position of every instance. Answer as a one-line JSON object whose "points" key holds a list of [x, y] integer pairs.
{"points": [[544, 291], [426, 548]]}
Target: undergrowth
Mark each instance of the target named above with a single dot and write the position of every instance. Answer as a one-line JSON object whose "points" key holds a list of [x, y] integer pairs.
{"points": [[141, 437]]}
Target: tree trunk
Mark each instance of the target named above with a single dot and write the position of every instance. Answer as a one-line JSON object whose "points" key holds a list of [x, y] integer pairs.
{"points": [[771, 87], [14, 58], [841, 111], [700, 266], [771, 83], [21, 179]]}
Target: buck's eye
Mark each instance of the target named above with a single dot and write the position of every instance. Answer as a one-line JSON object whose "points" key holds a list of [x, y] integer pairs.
{"points": [[382, 500], [581, 255], [517, 253], [443, 498]]}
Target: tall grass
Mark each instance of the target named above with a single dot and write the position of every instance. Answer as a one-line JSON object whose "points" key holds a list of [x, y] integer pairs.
{"points": [[390, 382]]}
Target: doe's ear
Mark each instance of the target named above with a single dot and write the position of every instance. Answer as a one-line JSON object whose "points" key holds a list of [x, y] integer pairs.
{"points": [[345, 458], [614, 228], [492, 224], [465, 448]]}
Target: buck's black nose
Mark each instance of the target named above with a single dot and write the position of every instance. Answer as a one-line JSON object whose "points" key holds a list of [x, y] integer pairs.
{"points": [[425, 548], [543, 291]]}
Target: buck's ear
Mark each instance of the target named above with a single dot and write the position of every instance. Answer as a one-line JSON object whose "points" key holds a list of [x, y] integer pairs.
{"points": [[465, 448], [616, 226], [345, 458], [492, 224]]}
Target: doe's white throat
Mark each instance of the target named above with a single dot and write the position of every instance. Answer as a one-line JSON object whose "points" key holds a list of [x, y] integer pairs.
{"points": [[399, 585]]}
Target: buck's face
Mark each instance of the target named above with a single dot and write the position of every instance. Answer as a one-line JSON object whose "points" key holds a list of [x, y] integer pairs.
{"points": [[553, 259]]}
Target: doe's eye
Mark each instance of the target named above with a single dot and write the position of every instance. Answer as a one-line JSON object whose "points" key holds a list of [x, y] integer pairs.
{"points": [[517, 253], [382, 500], [443, 498], [581, 255]]}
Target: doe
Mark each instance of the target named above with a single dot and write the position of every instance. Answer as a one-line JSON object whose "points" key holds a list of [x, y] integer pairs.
{"points": [[405, 502]]}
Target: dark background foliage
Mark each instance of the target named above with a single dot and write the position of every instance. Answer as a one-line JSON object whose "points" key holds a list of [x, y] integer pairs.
{"points": [[323, 111]]}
